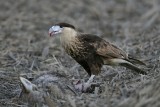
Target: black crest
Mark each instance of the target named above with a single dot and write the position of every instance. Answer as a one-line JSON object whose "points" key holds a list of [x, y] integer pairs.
{"points": [[66, 25]]}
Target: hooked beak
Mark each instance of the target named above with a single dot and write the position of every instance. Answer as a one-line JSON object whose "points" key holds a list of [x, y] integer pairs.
{"points": [[51, 32], [54, 30]]}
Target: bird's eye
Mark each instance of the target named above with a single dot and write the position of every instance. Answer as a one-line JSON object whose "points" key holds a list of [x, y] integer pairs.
{"points": [[61, 26]]}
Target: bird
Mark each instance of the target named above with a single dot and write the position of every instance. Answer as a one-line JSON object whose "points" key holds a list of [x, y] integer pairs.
{"points": [[91, 51]]}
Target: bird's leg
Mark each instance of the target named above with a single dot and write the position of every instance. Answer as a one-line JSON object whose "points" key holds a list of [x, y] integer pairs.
{"points": [[84, 86]]}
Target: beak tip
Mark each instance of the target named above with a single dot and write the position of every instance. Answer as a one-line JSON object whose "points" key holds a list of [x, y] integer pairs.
{"points": [[49, 34]]}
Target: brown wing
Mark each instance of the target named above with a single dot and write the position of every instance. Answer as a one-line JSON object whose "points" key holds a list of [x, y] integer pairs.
{"points": [[102, 47], [110, 51]]}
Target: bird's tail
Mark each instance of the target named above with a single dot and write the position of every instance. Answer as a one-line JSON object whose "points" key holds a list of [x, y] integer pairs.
{"points": [[133, 67], [129, 64], [135, 61]]}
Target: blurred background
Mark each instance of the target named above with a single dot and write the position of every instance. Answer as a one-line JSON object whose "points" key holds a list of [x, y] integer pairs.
{"points": [[28, 21], [133, 25]]}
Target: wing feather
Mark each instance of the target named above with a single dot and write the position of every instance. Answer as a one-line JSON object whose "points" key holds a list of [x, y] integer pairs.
{"points": [[102, 47]]}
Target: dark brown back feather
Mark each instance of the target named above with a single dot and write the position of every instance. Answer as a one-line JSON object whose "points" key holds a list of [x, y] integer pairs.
{"points": [[102, 47]]}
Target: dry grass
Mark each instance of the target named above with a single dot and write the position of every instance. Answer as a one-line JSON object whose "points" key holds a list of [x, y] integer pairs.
{"points": [[26, 50]]}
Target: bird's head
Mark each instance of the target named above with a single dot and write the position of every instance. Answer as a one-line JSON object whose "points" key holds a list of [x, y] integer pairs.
{"points": [[59, 28]]}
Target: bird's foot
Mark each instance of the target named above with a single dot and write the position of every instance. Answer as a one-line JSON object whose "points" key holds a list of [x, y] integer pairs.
{"points": [[85, 86]]}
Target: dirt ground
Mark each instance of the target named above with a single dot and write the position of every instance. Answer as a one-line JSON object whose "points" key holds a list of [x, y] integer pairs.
{"points": [[27, 50]]}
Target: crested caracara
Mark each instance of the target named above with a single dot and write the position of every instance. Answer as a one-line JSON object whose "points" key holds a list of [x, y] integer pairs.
{"points": [[91, 51]]}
